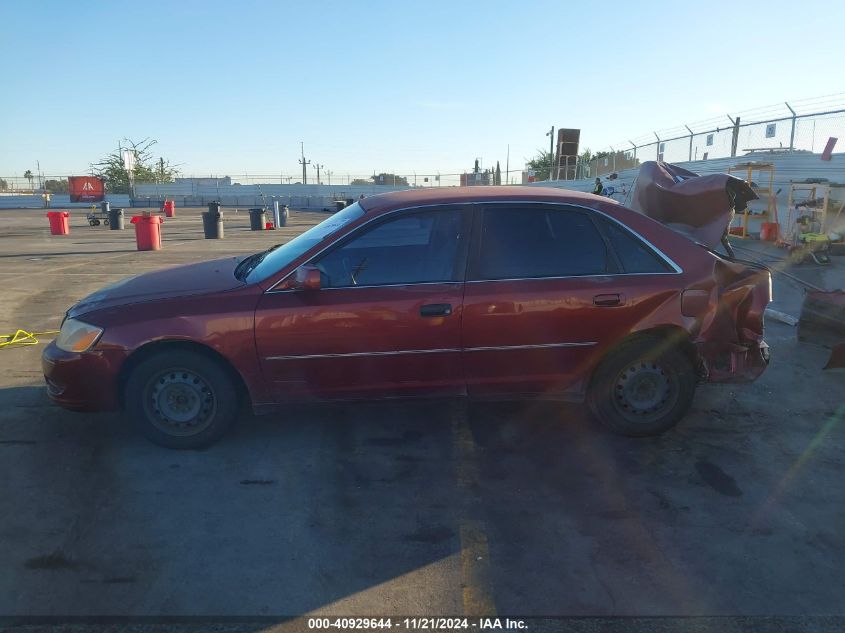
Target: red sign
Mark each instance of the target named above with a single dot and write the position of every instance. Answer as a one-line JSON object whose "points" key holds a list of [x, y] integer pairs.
{"points": [[86, 188], [828, 149]]}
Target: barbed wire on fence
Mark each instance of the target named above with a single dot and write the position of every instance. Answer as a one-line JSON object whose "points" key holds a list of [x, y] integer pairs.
{"points": [[788, 127]]}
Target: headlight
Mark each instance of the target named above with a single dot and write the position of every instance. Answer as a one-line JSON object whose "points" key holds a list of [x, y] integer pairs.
{"points": [[76, 336]]}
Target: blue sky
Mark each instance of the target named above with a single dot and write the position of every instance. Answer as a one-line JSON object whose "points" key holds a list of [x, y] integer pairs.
{"points": [[233, 87]]}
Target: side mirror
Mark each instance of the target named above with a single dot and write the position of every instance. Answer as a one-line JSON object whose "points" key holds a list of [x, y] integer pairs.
{"points": [[306, 277]]}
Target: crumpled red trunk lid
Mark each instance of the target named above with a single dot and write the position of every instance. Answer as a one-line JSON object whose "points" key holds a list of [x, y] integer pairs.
{"points": [[700, 207]]}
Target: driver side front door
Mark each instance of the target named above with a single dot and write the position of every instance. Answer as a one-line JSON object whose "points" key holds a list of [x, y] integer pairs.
{"points": [[386, 320]]}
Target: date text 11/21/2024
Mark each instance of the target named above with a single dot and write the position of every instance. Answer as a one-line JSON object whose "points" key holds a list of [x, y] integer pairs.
{"points": [[418, 624]]}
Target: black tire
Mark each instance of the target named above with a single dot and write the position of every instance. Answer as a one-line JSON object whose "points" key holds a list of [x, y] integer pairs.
{"points": [[181, 399], [643, 387]]}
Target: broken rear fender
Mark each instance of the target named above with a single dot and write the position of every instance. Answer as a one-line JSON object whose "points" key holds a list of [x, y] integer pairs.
{"points": [[729, 324]]}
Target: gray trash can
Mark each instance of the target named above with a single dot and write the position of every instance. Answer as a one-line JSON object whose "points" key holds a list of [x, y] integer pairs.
{"points": [[115, 217], [212, 222], [257, 219]]}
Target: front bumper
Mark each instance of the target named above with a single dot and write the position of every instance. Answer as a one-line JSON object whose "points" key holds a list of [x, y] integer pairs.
{"points": [[82, 382]]}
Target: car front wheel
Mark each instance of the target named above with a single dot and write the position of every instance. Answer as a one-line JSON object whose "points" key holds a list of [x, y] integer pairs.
{"points": [[181, 399], [643, 387]]}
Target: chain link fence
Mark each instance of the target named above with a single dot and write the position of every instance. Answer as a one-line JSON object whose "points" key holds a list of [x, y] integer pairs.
{"points": [[798, 126], [18, 184]]}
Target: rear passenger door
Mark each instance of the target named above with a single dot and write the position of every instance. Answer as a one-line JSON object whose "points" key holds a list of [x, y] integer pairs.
{"points": [[546, 293]]}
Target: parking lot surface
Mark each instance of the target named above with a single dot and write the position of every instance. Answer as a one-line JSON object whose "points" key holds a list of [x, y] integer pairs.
{"points": [[407, 508]]}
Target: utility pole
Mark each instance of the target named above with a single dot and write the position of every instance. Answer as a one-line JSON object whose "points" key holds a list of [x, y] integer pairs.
{"points": [[329, 175], [318, 166], [551, 135], [303, 162], [508, 166]]}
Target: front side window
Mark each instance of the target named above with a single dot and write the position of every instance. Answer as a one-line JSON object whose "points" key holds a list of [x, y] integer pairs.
{"points": [[531, 242], [412, 248], [274, 260]]}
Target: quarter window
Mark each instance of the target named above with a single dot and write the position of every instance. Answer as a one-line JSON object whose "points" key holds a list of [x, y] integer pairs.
{"points": [[412, 248], [527, 242], [634, 256]]}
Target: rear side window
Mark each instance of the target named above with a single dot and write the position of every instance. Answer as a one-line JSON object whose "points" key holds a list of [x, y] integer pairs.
{"points": [[530, 242], [634, 256]]}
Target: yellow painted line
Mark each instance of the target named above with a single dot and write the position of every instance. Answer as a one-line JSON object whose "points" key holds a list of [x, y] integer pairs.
{"points": [[476, 575], [475, 570]]}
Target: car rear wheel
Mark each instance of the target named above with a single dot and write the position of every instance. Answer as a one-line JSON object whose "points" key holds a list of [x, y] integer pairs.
{"points": [[643, 387], [181, 399]]}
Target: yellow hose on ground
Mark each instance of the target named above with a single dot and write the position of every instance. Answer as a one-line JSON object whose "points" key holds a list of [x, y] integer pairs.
{"points": [[22, 337]]}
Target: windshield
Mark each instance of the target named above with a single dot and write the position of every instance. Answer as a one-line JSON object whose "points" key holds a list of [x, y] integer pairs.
{"points": [[282, 255]]}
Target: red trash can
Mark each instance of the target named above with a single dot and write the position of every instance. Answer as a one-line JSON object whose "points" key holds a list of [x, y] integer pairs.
{"points": [[147, 232], [59, 222], [169, 208], [769, 231]]}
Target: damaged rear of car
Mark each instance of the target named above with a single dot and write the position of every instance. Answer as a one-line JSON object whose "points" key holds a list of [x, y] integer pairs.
{"points": [[729, 296]]}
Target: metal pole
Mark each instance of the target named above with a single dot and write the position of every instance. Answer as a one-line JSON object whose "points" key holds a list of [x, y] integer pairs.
{"points": [[303, 163], [508, 166], [690, 142], [657, 153], [734, 134], [634, 145], [792, 133], [551, 151]]}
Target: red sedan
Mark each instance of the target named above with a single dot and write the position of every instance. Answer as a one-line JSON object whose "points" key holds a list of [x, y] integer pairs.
{"points": [[501, 292]]}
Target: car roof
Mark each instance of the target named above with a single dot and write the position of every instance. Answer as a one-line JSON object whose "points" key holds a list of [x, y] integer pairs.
{"points": [[424, 196]]}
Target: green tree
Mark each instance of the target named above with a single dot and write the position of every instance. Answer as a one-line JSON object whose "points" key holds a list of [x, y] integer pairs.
{"points": [[541, 164], [56, 186], [28, 175], [390, 180], [498, 179], [362, 181], [3, 185], [145, 170]]}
